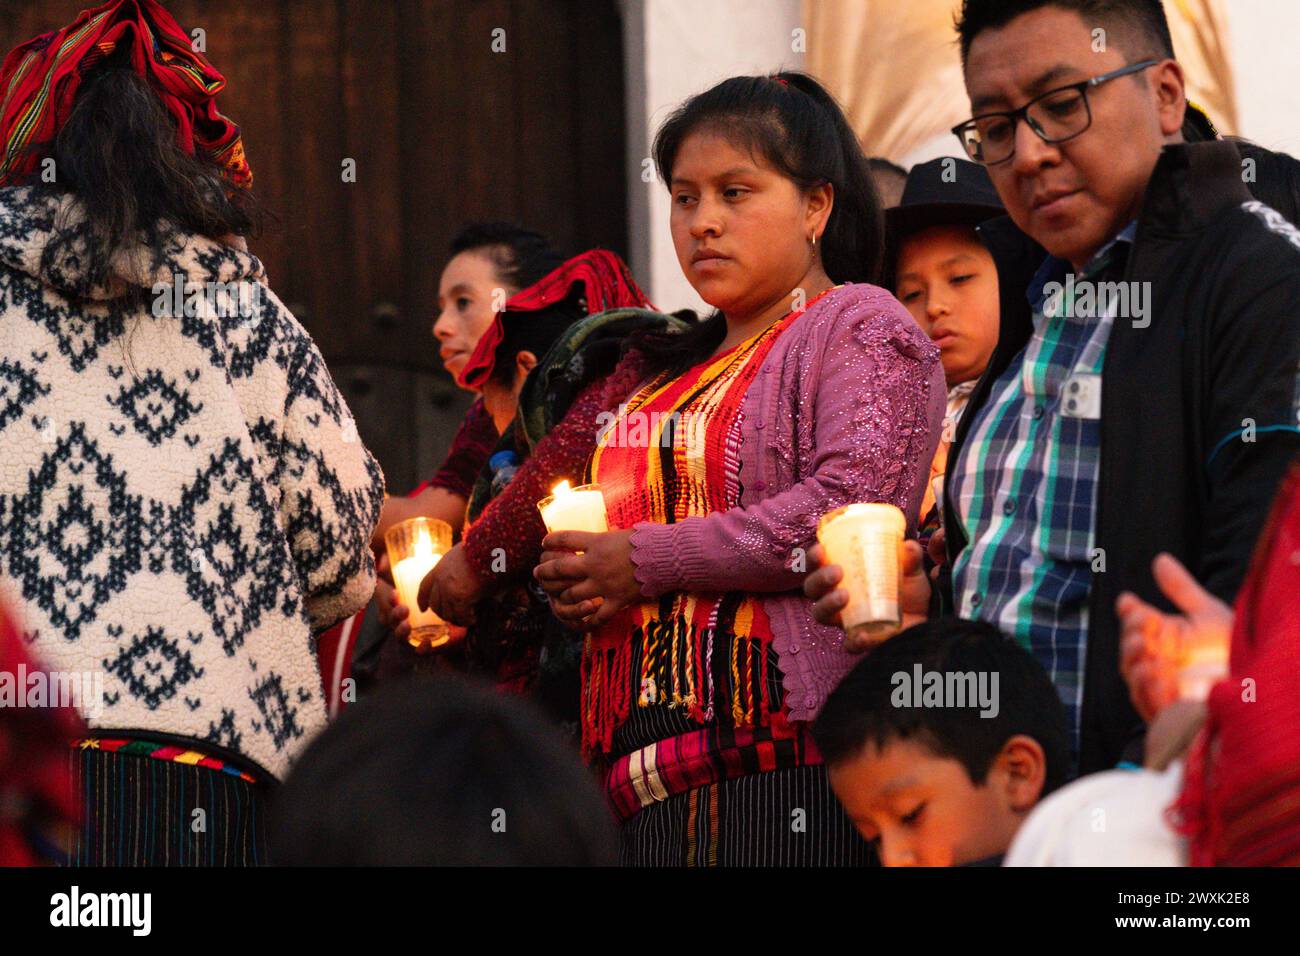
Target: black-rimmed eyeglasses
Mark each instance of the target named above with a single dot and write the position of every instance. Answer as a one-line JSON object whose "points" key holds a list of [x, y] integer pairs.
{"points": [[1057, 115]]}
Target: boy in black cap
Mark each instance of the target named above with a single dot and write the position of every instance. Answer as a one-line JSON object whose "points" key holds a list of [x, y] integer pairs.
{"points": [[939, 269]]}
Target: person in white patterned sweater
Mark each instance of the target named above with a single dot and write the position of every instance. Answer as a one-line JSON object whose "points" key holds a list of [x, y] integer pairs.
{"points": [[184, 501]]}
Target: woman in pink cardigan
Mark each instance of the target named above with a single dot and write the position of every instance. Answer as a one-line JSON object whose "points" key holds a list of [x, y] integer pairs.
{"points": [[806, 390]]}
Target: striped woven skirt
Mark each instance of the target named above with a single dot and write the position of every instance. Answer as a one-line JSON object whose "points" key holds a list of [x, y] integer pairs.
{"points": [[721, 795], [139, 810], [779, 818]]}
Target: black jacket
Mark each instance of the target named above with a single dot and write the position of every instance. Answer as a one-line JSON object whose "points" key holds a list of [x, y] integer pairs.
{"points": [[1222, 350]]}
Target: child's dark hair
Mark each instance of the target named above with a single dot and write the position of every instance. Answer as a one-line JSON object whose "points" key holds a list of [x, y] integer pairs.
{"points": [[790, 122], [1142, 20], [861, 709], [440, 772]]}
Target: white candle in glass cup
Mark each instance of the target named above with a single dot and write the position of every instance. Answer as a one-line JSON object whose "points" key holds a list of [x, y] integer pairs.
{"points": [[864, 540], [414, 547], [574, 509]]}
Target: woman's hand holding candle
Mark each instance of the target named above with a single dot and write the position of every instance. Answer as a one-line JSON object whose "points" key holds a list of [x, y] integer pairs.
{"points": [[452, 588], [395, 617], [383, 570], [392, 614], [588, 588]]}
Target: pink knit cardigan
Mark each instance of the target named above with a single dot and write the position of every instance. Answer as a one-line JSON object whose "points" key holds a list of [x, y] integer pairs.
{"points": [[847, 407]]}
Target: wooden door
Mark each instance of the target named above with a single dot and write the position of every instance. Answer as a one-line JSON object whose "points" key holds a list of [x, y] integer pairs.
{"points": [[441, 128]]}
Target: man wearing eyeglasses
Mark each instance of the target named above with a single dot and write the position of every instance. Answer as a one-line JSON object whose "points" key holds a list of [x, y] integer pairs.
{"points": [[1160, 414]]}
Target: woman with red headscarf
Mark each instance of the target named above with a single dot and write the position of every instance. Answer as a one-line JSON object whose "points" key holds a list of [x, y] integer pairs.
{"points": [[184, 499], [505, 297], [489, 261], [557, 351]]}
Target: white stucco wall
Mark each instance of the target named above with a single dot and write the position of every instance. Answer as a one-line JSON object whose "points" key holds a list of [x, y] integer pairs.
{"points": [[1264, 44], [673, 49], [1264, 37]]}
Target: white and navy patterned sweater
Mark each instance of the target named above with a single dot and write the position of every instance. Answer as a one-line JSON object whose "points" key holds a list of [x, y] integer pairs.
{"points": [[183, 500]]}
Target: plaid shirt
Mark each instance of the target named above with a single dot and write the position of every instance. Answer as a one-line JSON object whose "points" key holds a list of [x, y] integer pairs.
{"points": [[1025, 484]]}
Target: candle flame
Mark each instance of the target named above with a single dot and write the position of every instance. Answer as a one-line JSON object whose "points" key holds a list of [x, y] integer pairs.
{"points": [[563, 488], [423, 547]]}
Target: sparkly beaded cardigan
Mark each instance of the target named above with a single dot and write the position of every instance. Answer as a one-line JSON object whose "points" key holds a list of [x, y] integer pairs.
{"points": [[848, 406], [183, 496]]}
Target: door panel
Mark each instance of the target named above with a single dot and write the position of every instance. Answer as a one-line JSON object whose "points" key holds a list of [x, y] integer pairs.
{"points": [[442, 129]]}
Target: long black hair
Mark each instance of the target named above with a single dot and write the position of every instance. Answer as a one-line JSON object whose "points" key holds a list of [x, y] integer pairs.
{"points": [[521, 256], [795, 126], [117, 153]]}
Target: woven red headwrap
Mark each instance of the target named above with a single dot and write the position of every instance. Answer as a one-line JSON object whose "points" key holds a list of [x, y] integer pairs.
{"points": [[608, 285], [39, 82], [1240, 804]]}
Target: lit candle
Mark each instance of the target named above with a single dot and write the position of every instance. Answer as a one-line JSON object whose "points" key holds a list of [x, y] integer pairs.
{"points": [[574, 509], [414, 548], [1204, 664], [864, 540]]}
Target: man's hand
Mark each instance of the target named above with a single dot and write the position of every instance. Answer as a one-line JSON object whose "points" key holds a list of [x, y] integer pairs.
{"points": [[1155, 645], [820, 587], [937, 548], [829, 600]]}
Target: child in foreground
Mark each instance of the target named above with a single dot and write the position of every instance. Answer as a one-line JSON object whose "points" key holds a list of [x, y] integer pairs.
{"points": [[940, 741], [440, 771]]}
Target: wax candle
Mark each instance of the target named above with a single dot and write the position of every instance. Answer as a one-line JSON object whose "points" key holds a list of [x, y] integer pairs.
{"points": [[574, 509], [864, 539], [1203, 665], [414, 549]]}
